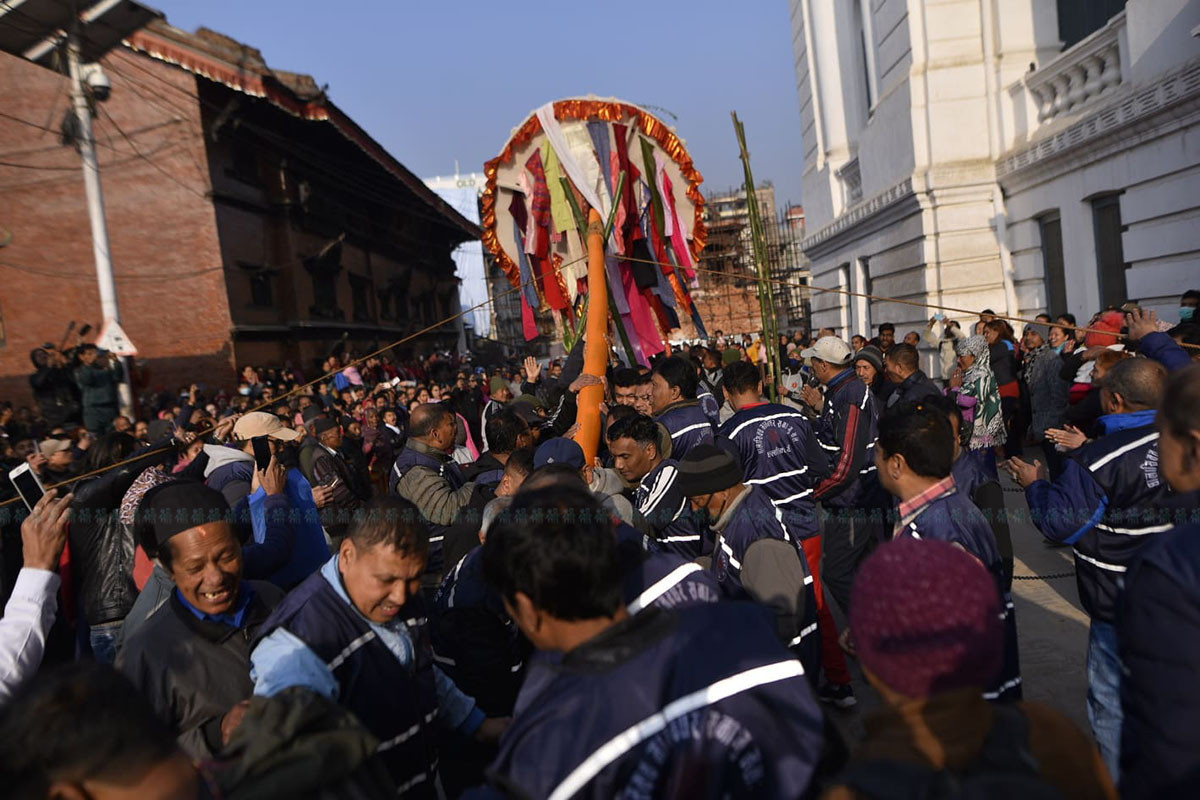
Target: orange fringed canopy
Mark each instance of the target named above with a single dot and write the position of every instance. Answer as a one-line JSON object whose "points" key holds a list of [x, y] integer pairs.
{"points": [[584, 109]]}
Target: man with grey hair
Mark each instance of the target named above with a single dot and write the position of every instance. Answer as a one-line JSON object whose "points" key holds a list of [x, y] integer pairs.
{"points": [[426, 475]]}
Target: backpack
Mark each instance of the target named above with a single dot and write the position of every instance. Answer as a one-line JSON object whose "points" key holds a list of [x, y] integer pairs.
{"points": [[1004, 769]]}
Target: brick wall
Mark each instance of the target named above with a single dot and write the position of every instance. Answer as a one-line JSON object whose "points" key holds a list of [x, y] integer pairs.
{"points": [[724, 306], [168, 267]]}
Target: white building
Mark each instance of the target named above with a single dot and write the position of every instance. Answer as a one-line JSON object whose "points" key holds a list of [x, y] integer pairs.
{"points": [[1019, 155], [462, 193]]}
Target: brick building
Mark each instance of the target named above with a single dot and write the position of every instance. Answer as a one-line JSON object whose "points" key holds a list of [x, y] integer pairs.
{"points": [[251, 220]]}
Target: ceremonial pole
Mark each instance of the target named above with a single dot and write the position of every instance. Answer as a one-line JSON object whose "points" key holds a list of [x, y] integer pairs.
{"points": [[595, 353]]}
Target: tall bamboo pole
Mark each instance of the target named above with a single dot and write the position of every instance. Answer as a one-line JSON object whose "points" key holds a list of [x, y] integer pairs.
{"points": [[765, 301]]}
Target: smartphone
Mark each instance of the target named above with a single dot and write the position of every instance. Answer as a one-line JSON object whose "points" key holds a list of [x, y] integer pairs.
{"points": [[27, 484], [262, 452]]}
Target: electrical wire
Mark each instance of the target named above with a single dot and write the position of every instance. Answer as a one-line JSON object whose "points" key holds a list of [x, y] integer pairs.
{"points": [[885, 299], [161, 170]]}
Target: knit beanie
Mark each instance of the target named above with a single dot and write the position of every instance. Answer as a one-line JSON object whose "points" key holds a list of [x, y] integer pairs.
{"points": [[707, 468], [872, 355], [925, 617], [1040, 328]]}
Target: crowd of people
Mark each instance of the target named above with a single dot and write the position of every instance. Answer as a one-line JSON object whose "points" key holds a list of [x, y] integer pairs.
{"points": [[410, 580]]}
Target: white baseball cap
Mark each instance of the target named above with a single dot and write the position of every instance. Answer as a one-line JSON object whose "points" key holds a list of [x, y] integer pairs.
{"points": [[260, 423], [830, 349]]}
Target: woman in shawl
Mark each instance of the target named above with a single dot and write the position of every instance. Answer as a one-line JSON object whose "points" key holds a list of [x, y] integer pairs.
{"points": [[974, 388]]}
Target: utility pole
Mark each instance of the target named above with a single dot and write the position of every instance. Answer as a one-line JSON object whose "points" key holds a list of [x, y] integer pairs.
{"points": [[95, 205]]}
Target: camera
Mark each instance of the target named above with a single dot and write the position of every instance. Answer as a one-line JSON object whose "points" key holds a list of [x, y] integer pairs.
{"points": [[98, 84]]}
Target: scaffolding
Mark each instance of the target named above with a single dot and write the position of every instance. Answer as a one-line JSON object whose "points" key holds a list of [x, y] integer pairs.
{"points": [[729, 301]]}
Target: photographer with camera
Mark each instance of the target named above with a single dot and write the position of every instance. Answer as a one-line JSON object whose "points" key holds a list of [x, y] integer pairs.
{"points": [[54, 387], [98, 374]]}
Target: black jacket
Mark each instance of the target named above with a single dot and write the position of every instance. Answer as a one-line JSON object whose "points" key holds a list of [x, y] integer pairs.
{"points": [[912, 389], [56, 395], [101, 546], [1159, 637], [193, 671]]}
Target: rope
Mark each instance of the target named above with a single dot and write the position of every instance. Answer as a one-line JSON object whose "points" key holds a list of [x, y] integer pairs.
{"points": [[520, 287], [1051, 576], [886, 299], [276, 400]]}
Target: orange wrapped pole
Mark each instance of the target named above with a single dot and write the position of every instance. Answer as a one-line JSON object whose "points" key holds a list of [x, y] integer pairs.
{"points": [[595, 352]]}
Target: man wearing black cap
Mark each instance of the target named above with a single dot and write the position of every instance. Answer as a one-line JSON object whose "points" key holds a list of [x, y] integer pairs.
{"points": [[636, 444], [330, 470], [756, 557], [192, 660]]}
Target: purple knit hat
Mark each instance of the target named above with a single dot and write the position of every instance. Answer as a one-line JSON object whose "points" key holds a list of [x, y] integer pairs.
{"points": [[925, 617]]}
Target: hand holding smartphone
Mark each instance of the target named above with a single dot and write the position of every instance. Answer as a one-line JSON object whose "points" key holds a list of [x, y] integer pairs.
{"points": [[27, 484], [262, 452]]}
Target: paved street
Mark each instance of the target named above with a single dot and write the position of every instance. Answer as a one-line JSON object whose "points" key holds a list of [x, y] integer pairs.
{"points": [[1051, 627]]}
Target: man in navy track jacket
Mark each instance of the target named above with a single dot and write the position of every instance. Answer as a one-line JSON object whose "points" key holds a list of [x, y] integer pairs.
{"points": [[636, 445], [676, 408], [1158, 623], [1109, 502], [846, 433], [720, 707]]}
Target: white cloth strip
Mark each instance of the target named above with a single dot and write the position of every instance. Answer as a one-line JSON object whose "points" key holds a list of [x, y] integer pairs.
{"points": [[1003, 688], [1138, 531], [631, 737], [696, 427], [792, 497], [424, 776], [401, 739], [803, 633], [341, 657], [1101, 564], [788, 474], [729, 552], [449, 662], [664, 481], [566, 158], [695, 538], [782, 528], [661, 586], [1120, 451], [756, 420]]}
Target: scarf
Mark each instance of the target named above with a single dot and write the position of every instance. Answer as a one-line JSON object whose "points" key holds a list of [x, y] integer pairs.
{"points": [[980, 383], [1032, 356]]}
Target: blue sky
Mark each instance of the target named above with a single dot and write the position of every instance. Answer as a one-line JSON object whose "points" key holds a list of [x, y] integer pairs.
{"points": [[441, 80]]}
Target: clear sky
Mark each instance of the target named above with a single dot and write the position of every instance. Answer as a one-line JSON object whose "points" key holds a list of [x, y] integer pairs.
{"points": [[440, 80]]}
